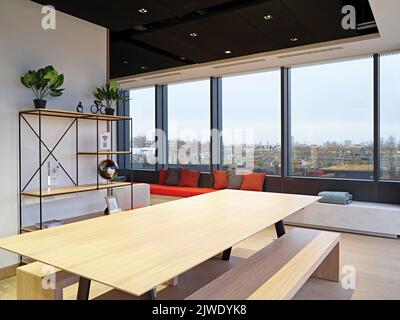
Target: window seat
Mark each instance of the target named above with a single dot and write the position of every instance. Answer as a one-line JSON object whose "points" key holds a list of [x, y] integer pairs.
{"points": [[175, 191], [367, 218]]}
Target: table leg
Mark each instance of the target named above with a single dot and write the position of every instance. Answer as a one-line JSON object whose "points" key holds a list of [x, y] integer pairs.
{"points": [[151, 295], [226, 255], [83, 289], [280, 229]]}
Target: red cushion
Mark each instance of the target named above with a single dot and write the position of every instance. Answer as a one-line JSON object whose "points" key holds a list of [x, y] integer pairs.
{"points": [[163, 177], [253, 182], [221, 179], [180, 192], [189, 178]]}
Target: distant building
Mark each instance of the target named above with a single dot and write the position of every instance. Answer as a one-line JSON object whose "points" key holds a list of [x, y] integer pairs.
{"points": [[348, 143]]}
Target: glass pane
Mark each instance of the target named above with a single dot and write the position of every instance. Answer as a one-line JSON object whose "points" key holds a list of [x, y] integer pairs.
{"points": [[251, 122], [142, 109], [189, 125], [390, 117], [332, 120]]}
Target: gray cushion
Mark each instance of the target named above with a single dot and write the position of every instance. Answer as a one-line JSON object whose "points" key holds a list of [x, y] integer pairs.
{"points": [[174, 175], [206, 180], [235, 182]]}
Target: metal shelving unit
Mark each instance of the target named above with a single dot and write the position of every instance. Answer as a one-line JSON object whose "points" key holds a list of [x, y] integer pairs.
{"points": [[41, 193]]}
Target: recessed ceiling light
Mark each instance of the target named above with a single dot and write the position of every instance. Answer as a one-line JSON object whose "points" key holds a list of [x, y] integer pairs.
{"points": [[144, 68], [193, 35], [268, 17], [294, 39], [143, 10], [182, 58], [126, 62], [228, 51]]}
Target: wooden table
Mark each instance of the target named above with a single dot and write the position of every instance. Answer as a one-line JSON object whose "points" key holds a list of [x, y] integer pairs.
{"points": [[138, 250]]}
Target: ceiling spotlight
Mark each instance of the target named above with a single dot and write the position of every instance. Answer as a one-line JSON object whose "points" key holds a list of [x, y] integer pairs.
{"points": [[143, 10], [182, 58], [144, 68], [294, 39], [126, 62], [228, 52], [268, 17], [193, 35]]}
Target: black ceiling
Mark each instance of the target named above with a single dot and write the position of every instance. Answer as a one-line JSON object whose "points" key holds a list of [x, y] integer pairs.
{"points": [[160, 38]]}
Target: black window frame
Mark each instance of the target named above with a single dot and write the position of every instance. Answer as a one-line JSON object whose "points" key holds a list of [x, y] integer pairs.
{"points": [[376, 190]]}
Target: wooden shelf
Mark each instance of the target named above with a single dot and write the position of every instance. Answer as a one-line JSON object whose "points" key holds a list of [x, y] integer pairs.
{"points": [[103, 153], [72, 115], [74, 189], [67, 221]]}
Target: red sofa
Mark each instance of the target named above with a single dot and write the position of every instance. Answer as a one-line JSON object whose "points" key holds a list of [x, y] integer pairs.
{"points": [[152, 177]]}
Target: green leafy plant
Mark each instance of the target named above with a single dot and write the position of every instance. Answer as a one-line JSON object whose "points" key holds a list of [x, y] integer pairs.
{"points": [[44, 82], [111, 93]]}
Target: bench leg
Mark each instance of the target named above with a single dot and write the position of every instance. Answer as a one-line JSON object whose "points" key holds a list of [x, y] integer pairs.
{"points": [[226, 255], [83, 289], [280, 229], [172, 283], [330, 267]]}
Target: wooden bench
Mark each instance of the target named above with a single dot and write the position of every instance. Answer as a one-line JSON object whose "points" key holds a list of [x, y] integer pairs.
{"points": [[37, 281], [280, 270]]}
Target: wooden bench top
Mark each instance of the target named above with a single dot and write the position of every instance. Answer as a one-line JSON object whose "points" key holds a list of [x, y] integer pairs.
{"points": [[278, 271]]}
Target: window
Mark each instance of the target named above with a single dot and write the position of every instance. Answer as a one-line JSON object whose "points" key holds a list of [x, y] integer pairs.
{"points": [[390, 117], [332, 120], [189, 125], [142, 110], [251, 107]]}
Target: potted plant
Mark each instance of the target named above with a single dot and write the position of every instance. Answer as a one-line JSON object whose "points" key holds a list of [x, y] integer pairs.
{"points": [[43, 82], [111, 94]]}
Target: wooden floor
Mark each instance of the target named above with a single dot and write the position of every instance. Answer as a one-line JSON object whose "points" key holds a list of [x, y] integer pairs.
{"points": [[376, 261]]}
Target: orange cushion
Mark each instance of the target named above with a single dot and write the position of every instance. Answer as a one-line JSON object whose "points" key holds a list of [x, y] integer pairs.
{"points": [[163, 177], [189, 178], [253, 182], [221, 179]]}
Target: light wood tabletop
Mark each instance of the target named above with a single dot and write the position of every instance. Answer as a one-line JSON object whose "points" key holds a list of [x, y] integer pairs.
{"points": [[138, 250]]}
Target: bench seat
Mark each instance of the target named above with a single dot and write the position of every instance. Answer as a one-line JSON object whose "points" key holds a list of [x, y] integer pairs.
{"points": [[176, 191], [278, 271]]}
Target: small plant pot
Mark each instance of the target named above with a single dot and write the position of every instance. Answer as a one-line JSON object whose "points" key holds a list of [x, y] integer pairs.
{"points": [[109, 111], [40, 104]]}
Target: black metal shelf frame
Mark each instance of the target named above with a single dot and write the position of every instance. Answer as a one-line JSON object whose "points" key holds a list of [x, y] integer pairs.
{"points": [[41, 114]]}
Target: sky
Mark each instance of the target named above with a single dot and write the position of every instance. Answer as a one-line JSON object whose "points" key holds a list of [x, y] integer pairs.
{"points": [[330, 102]]}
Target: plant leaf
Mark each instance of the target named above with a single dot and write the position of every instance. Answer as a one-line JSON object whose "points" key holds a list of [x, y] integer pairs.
{"points": [[114, 85], [58, 82], [56, 93]]}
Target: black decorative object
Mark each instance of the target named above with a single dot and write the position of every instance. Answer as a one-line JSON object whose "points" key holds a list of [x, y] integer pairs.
{"points": [[40, 104], [79, 108], [98, 107], [108, 169]]}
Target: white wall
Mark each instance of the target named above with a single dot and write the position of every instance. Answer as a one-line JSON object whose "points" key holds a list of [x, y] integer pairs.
{"points": [[77, 49]]}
